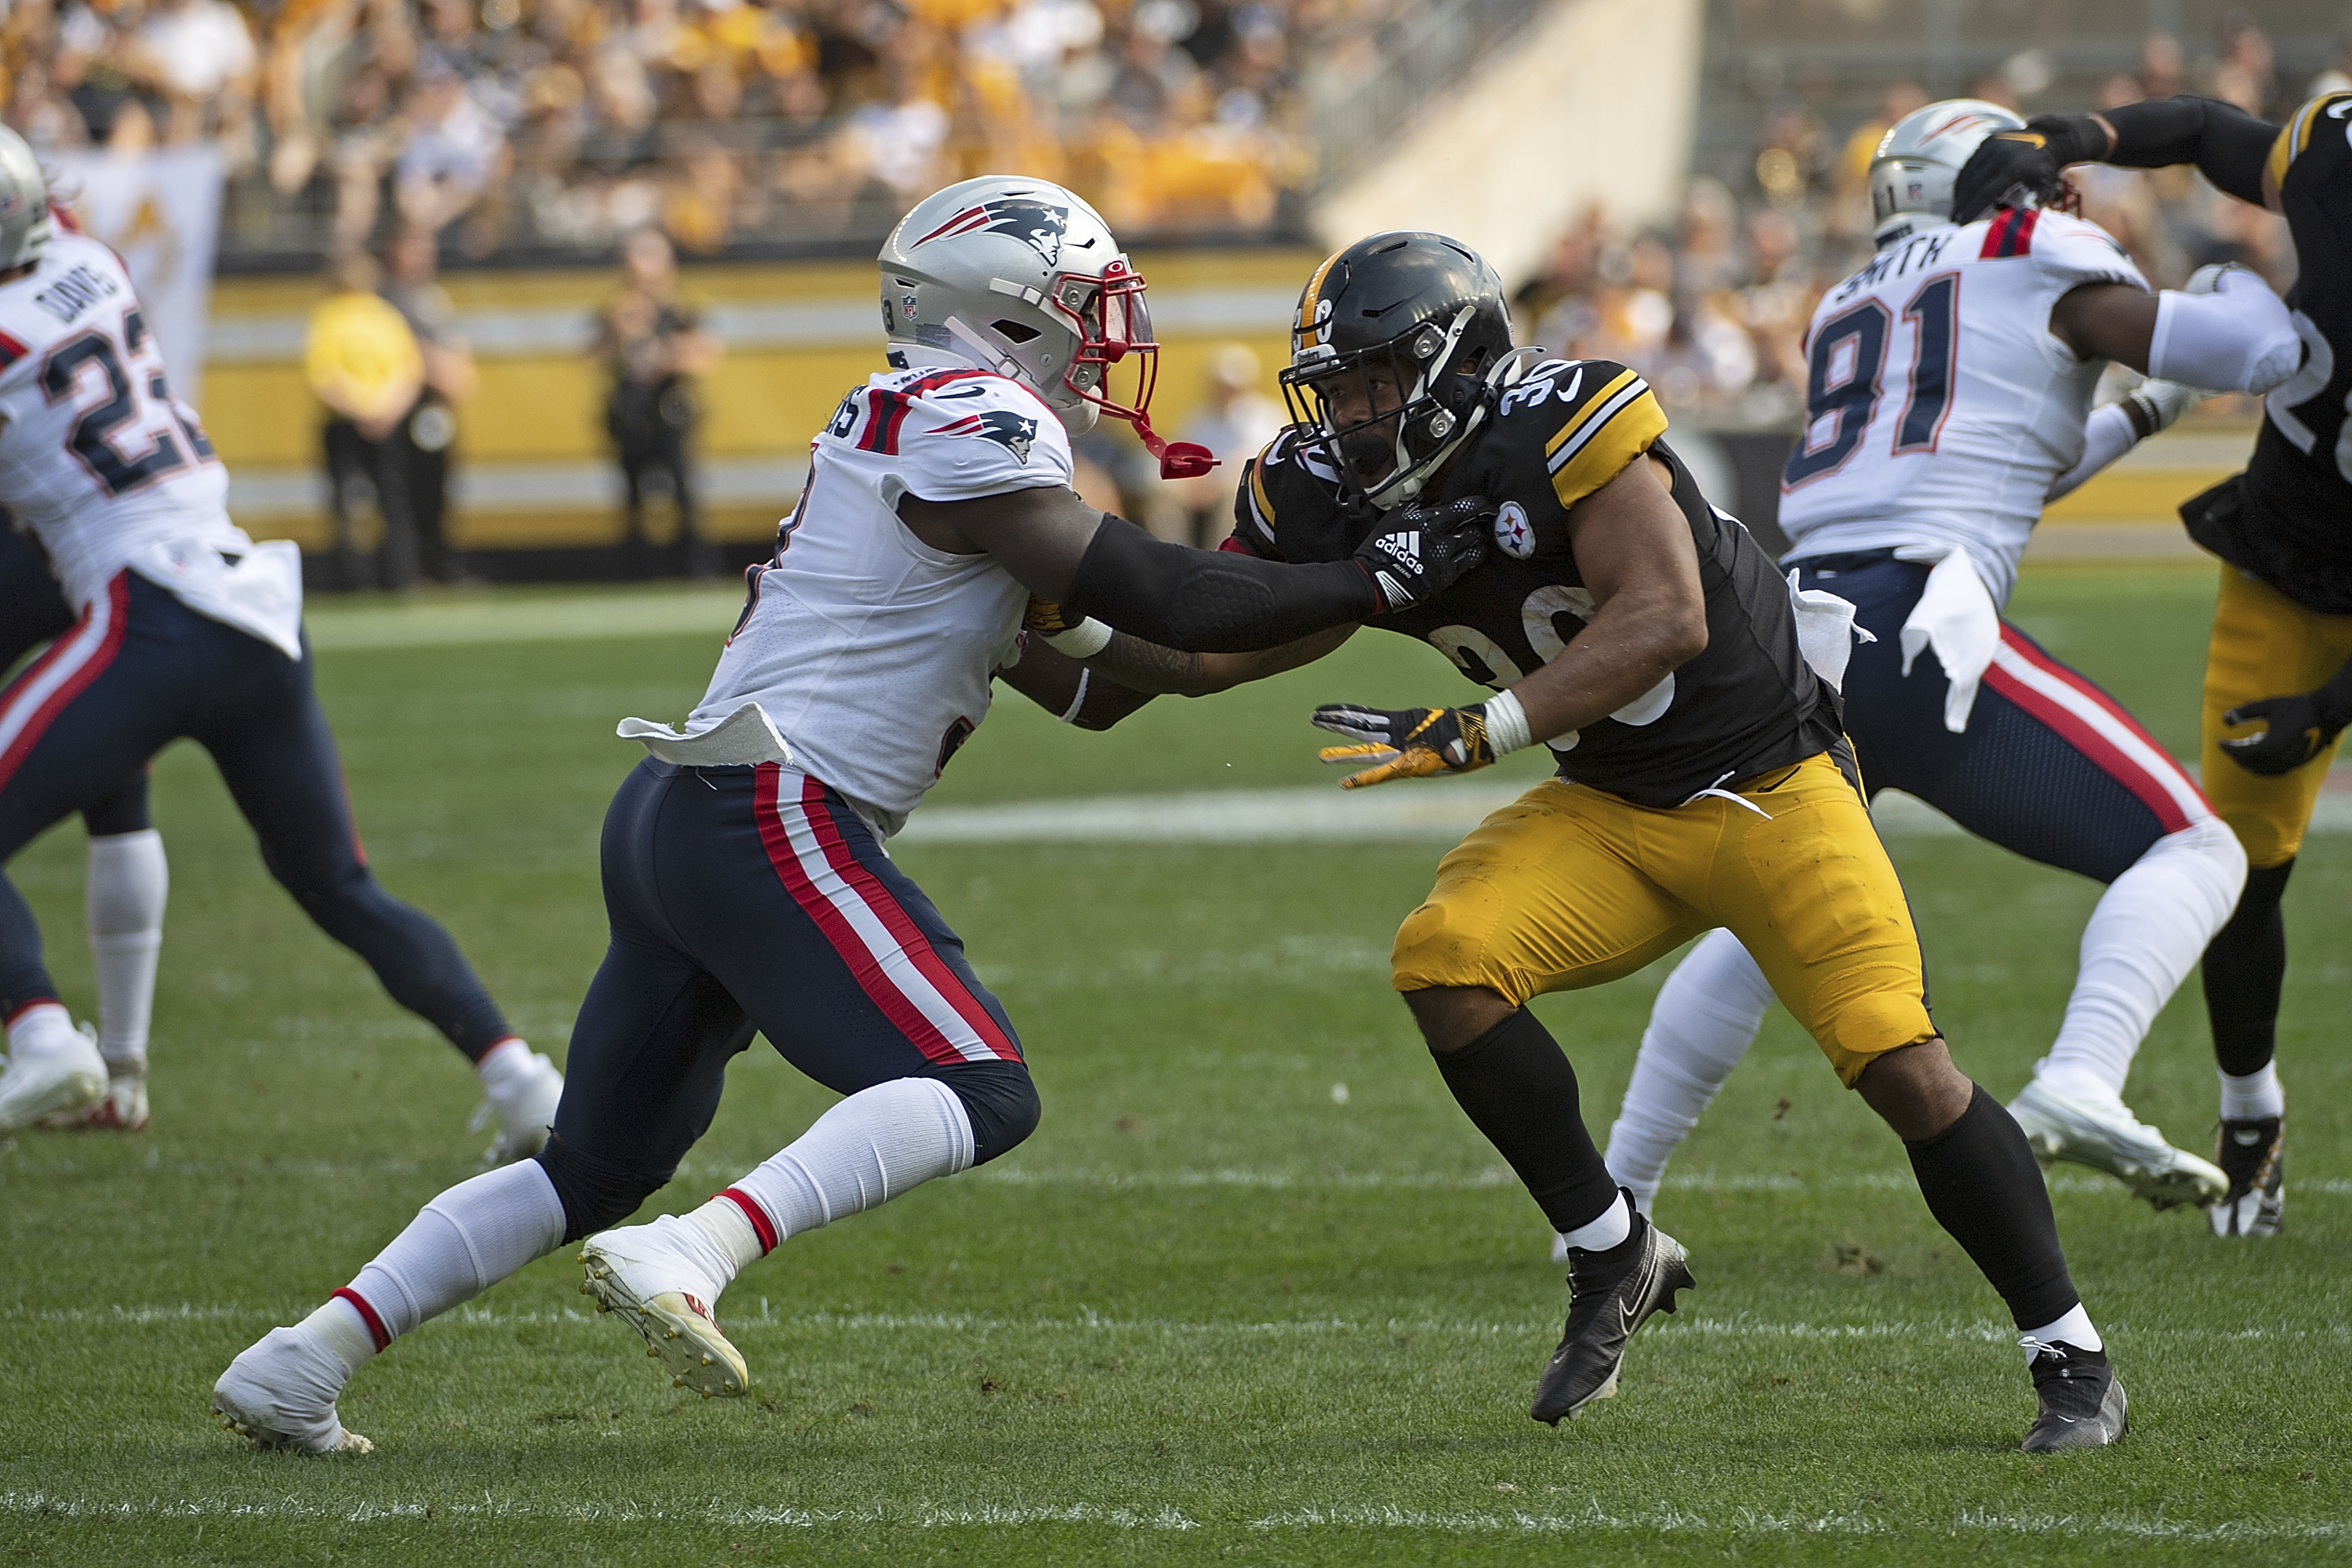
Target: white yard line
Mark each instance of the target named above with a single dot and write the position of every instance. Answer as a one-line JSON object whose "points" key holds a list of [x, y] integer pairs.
{"points": [[1735, 1523], [1438, 809], [1739, 1328]]}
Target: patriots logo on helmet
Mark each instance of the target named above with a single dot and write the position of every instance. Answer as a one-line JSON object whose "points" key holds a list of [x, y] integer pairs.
{"points": [[1014, 432], [1040, 223]]}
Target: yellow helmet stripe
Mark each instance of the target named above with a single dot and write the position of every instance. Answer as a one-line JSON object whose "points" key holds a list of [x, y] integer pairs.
{"points": [[1308, 301], [2296, 136]]}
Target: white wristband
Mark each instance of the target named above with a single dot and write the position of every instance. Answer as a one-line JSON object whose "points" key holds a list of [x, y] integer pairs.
{"points": [[1084, 640], [1507, 724]]}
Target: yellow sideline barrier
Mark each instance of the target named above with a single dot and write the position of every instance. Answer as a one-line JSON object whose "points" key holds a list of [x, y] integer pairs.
{"points": [[533, 468]]}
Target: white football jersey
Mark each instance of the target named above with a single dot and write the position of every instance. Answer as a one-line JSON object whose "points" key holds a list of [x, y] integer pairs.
{"points": [[1938, 406], [98, 460], [871, 652]]}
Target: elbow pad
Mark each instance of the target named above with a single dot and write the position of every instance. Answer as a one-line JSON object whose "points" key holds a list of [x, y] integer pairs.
{"points": [[1211, 601], [2239, 338]]}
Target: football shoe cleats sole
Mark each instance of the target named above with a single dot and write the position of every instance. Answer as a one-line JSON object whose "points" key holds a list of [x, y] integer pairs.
{"points": [[2252, 1153], [55, 1083], [2110, 1137], [677, 1327], [1607, 1306], [2083, 1402]]}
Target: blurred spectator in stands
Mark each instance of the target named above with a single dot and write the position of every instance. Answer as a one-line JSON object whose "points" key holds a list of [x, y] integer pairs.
{"points": [[1234, 421], [424, 443], [454, 150], [2163, 66], [2336, 77], [198, 57], [652, 343], [1850, 218], [2246, 73], [363, 364]]}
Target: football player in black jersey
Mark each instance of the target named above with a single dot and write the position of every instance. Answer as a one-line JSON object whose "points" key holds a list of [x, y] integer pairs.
{"points": [[2278, 672], [1703, 781]]}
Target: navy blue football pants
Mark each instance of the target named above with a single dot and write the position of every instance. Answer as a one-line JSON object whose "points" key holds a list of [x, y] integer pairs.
{"points": [[2049, 765], [33, 609], [747, 899], [137, 671]]}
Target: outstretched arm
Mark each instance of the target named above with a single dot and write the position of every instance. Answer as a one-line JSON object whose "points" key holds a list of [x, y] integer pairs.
{"points": [[2226, 331], [2229, 146], [1199, 600]]}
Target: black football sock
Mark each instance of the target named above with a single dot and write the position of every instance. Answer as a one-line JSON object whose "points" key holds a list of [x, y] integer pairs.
{"points": [[1515, 1082], [1982, 1185], [2245, 967]]}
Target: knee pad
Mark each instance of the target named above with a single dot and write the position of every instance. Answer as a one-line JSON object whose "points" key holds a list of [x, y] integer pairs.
{"points": [[1001, 1101], [2207, 861], [597, 1193]]}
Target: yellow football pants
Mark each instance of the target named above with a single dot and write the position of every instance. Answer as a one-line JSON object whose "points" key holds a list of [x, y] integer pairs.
{"points": [[1569, 887], [2265, 645]]}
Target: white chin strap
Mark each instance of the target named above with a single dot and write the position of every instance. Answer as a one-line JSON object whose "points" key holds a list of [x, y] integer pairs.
{"points": [[974, 353], [1412, 476]]}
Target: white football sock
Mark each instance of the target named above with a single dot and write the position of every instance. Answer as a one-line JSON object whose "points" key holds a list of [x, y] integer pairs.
{"points": [[44, 1029], [2073, 1329], [458, 1245], [2252, 1097], [1705, 1019], [1611, 1229], [345, 1332], [128, 883], [2150, 927], [869, 1149]]}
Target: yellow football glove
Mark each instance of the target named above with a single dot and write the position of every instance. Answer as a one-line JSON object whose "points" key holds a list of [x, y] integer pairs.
{"points": [[1406, 744]]}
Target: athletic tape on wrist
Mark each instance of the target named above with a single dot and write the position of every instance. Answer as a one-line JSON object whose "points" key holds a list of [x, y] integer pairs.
{"points": [[1507, 724], [1084, 640]]}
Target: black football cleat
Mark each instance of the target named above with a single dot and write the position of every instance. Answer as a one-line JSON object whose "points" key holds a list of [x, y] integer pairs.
{"points": [[2083, 1402], [2253, 1154], [1609, 1296]]}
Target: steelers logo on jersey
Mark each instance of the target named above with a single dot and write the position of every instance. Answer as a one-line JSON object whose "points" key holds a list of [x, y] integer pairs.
{"points": [[1513, 533]]}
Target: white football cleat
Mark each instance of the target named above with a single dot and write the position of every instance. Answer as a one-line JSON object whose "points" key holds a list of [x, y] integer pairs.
{"points": [[121, 1108], [643, 1272], [523, 1105], [62, 1076], [280, 1394], [2110, 1137]]}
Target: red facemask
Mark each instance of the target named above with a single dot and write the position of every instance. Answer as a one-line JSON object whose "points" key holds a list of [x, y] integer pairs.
{"points": [[1114, 329]]}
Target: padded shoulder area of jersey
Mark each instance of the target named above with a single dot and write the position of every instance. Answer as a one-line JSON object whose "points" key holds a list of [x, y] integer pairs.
{"points": [[2322, 128], [1584, 419], [956, 435], [2068, 249], [1287, 498]]}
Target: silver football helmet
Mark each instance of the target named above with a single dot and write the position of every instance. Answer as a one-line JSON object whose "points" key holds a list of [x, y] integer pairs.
{"points": [[24, 203], [1023, 278], [1912, 173]]}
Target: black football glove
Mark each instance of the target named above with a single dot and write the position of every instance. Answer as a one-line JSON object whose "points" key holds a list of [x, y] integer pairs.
{"points": [[1422, 550], [2300, 728], [2034, 158], [1407, 743]]}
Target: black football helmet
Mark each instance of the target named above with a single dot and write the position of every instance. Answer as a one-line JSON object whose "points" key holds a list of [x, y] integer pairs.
{"points": [[1391, 352]]}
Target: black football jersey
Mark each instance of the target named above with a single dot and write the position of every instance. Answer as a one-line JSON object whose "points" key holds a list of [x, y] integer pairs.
{"points": [[1746, 705], [2295, 530]]}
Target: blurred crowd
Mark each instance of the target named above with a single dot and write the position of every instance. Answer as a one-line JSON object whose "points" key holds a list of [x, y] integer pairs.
{"points": [[499, 123], [1713, 309]]}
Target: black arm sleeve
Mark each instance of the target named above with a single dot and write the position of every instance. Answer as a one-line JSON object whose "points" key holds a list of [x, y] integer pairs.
{"points": [[1211, 601], [2226, 144]]}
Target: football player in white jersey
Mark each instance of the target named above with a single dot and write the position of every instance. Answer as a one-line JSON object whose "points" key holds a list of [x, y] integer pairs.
{"points": [[126, 880], [743, 867], [1949, 394], [186, 628]]}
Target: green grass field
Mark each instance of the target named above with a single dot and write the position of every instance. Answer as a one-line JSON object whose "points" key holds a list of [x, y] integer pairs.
{"points": [[1219, 1308]]}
